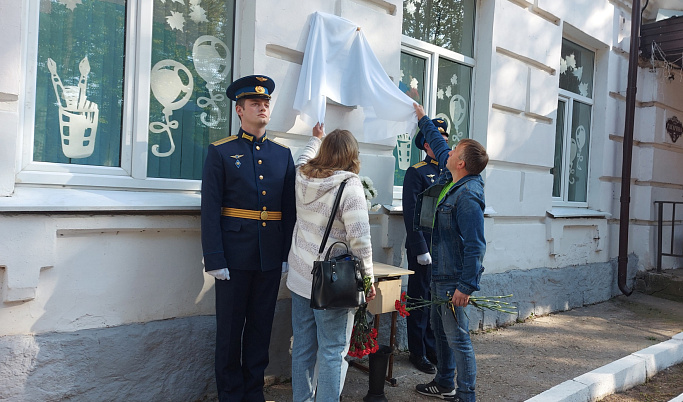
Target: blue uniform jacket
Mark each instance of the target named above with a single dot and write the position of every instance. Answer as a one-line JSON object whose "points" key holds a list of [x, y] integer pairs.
{"points": [[418, 177], [251, 174]]}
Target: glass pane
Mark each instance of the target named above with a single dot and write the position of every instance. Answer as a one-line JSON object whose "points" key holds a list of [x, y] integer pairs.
{"points": [[559, 149], [191, 68], [79, 82], [453, 98], [413, 76], [578, 153], [446, 23], [576, 69]]}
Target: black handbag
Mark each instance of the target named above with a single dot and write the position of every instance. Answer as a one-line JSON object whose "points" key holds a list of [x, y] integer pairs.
{"points": [[337, 281]]}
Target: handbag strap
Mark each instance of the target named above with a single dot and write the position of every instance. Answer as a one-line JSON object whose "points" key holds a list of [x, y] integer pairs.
{"points": [[337, 200]]}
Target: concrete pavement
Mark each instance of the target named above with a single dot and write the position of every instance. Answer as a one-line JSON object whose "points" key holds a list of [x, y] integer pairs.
{"points": [[575, 355], [619, 375]]}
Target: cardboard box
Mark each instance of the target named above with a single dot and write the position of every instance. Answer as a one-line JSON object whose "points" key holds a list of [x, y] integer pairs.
{"points": [[388, 291]]}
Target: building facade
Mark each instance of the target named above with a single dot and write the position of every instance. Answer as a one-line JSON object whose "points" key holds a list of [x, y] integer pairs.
{"points": [[107, 108]]}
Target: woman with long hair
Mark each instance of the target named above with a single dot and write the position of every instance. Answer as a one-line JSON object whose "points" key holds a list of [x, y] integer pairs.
{"points": [[322, 337]]}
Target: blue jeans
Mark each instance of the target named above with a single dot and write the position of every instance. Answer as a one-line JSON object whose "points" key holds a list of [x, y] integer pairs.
{"points": [[321, 341], [453, 346]]}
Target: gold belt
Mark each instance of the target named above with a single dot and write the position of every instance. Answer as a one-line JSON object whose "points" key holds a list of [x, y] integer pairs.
{"points": [[249, 214]]}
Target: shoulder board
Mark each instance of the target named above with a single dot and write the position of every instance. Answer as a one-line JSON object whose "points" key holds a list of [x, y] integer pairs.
{"points": [[224, 140], [419, 164], [273, 141]]}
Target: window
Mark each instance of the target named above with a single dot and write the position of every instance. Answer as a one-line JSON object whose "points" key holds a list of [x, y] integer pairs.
{"points": [[573, 125], [132, 90], [436, 69]]}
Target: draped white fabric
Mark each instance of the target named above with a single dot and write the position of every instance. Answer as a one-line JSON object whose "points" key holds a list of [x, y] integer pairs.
{"points": [[340, 65]]}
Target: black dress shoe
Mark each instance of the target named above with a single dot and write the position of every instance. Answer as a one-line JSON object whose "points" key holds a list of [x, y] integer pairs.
{"points": [[421, 363]]}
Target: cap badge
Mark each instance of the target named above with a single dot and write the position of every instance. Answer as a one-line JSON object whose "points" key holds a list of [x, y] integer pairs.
{"points": [[260, 89], [441, 130], [237, 160]]}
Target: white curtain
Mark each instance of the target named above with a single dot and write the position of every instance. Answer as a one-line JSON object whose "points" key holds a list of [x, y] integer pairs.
{"points": [[340, 65]]}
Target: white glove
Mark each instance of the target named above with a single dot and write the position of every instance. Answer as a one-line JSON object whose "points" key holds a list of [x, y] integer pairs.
{"points": [[222, 274], [285, 267], [424, 259]]}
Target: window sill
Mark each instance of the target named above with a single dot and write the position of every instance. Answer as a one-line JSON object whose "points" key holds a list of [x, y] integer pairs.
{"points": [[34, 199], [567, 212], [398, 210]]}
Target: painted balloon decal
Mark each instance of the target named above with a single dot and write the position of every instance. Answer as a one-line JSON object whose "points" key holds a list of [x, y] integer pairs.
{"points": [[575, 152], [172, 86], [212, 61]]}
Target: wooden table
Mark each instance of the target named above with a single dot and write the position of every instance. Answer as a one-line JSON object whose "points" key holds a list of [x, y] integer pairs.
{"points": [[388, 287]]}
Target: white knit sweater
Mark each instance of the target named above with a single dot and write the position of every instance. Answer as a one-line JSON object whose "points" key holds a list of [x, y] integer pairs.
{"points": [[314, 201]]}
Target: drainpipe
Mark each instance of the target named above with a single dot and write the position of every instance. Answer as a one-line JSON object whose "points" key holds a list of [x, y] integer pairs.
{"points": [[631, 90]]}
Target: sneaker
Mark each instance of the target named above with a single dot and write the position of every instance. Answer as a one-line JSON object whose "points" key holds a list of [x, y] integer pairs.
{"points": [[421, 363], [437, 391]]}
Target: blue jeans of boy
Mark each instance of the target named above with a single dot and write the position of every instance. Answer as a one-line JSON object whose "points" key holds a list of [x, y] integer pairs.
{"points": [[453, 346], [321, 341]]}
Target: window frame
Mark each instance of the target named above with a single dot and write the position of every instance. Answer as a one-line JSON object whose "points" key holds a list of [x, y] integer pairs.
{"points": [[132, 172], [432, 53], [569, 98]]}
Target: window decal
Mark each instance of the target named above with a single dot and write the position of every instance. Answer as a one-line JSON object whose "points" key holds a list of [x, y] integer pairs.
{"points": [[78, 117], [458, 111], [567, 65], [403, 147], [576, 155], [176, 21], [576, 69], [71, 4], [212, 60], [172, 91], [197, 13]]}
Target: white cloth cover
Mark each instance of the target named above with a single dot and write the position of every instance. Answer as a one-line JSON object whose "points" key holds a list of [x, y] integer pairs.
{"points": [[339, 64]]}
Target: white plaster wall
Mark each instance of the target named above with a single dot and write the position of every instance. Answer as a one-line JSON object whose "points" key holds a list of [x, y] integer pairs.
{"points": [[594, 18], [72, 272], [526, 33], [656, 159], [10, 82], [105, 271], [511, 192], [527, 39], [281, 34], [505, 249], [519, 140], [280, 37], [100, 271]]}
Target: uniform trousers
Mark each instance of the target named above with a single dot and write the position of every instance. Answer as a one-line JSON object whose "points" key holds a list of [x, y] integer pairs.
{"points": [[245, 306], [421, 340]]}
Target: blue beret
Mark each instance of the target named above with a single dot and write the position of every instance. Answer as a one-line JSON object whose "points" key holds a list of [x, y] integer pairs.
{"points": [[440, 125], [251, 86]]}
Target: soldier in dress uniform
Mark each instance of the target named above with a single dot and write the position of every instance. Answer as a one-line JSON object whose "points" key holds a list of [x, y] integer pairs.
{"points": [[421, 342], [248, 214]]}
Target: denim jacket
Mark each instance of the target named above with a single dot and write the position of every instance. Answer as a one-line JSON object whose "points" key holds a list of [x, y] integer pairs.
{"points": [[458, 243]]}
